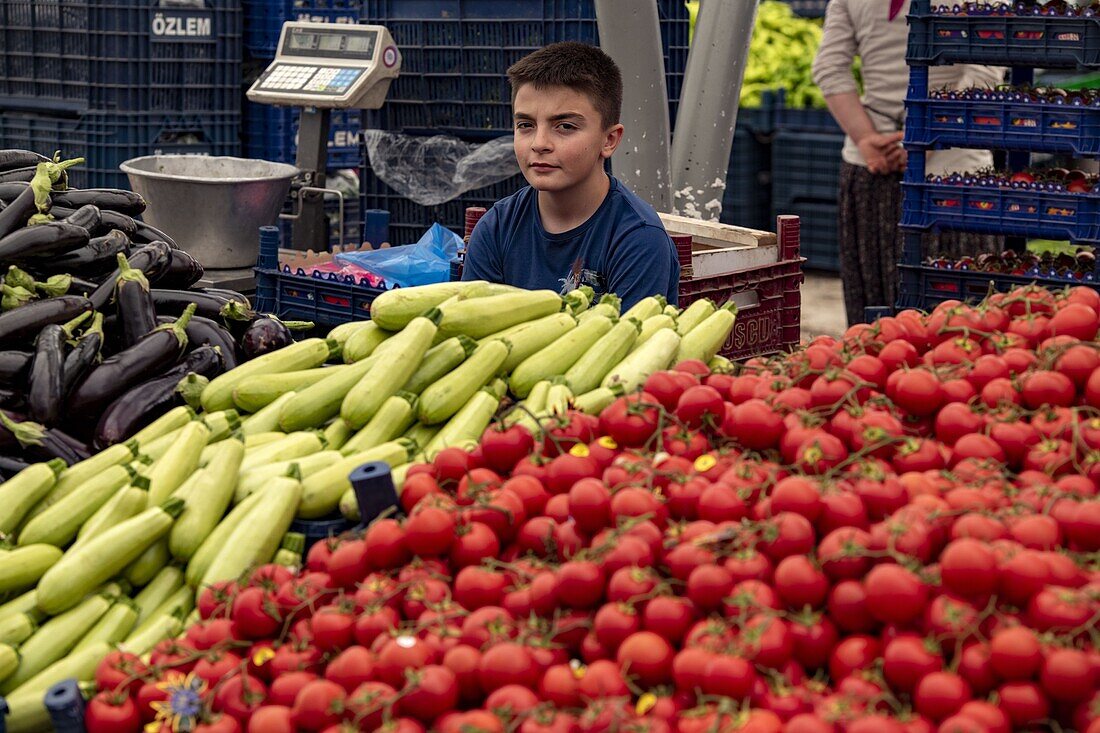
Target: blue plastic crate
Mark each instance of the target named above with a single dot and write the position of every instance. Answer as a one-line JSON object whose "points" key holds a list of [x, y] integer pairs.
{"points": [[806, 166], [1002, 211], [746, 201], [129, 55], [1053, 128], [820, 237], [455, 54], [271, 133], [263, 19], [107, 139], [808, 8], [924, 287], [1038, 41], [327, 299]]}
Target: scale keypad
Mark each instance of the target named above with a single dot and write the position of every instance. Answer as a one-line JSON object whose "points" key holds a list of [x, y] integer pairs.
{"points": [[287, 77]]}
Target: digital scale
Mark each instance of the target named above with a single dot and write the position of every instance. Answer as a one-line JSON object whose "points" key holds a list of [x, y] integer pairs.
{"points": [[320, 67]]}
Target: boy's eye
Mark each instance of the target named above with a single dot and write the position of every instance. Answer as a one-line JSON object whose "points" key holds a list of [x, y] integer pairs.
{"points": [[568, 126], [522, 125]]}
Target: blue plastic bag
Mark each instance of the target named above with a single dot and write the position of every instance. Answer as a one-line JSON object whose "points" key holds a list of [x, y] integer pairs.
{"points": [[427, 261]]}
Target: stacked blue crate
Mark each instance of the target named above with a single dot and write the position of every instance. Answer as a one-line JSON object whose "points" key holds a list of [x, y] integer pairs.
{"points": [[454, 57], [808, 8], [114, 79], [747, 199], [271, 132], [455, 54], [263, 19], [1018, 126], [805, 176]]}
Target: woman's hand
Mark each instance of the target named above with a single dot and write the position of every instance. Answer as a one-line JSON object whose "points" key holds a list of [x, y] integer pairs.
{"points": [[883, 152]]}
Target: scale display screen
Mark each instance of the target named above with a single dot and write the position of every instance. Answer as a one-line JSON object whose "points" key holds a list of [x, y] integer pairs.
{"points": [[330, 43], [329, 65]]}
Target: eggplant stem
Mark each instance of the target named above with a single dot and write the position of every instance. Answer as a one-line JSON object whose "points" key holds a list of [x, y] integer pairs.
{"points": [[26, 433], [179, 327], [71, 325], [236, 311], [190, 389]]}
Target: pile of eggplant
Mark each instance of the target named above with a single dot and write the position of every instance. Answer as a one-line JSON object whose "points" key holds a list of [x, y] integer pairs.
{"points": [[102, 329]]}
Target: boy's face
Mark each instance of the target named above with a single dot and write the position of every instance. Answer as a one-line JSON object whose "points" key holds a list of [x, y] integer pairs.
{"points": [[560, 138]]}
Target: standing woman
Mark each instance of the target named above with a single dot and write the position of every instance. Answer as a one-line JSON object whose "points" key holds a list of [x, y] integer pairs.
{"points": [[870, 177]]}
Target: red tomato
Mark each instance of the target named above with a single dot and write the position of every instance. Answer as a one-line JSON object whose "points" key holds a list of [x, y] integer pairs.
{"points": [[630, 420], [507, 663], [429, 692], [271, 719], [318, 705], [648, 657], [502, 448], [667, 386], [110, 712], [120, 671]]}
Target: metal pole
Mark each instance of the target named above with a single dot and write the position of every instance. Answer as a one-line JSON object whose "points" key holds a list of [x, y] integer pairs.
{"points": [[630, 33], [308, 231], [708, 106]]}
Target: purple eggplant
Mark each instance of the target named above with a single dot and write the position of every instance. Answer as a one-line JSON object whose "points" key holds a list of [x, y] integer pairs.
{"points": [[87, 216], [134, 303], [15, 215], [151, 259], [37, 442], [206, 332], [42, 240], [172, 302], [152, 398], [9, 191], [112, 199], [109, 221], [97, 257], [15, 158], [183, 271], [152, 354], [83, 357], [44, 382], [18, 326], [9, 466], [14, 366], [269, 334], [18, 175]]}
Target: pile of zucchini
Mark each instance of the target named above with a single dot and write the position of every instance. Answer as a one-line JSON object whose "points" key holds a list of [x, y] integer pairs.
{"points": [[434, 367], [111, 550], [101, 327]]}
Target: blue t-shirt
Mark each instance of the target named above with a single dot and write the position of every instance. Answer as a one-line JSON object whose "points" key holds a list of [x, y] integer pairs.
{"points": [[622, 249]]}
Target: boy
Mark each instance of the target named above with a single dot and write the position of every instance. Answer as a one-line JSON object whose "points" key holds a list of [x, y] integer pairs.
{"points": [[574, 224]]}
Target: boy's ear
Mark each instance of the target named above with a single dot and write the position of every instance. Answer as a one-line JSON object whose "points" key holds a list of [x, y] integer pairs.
{"points": [[611, 141]]}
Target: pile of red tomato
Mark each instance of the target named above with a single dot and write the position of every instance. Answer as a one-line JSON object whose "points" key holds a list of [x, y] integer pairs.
{"points": [[892, 532]]}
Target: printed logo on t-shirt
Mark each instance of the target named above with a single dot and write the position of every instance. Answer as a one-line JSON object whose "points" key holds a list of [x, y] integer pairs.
{"points": [[579, 275]]}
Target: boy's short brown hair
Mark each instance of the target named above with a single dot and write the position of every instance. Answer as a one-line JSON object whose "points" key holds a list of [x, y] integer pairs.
{"points": [[586, 69]]}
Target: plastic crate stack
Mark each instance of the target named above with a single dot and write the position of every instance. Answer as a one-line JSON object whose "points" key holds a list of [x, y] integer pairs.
{"points": [[787, 161], [269, 132], [806, 179], [808, 8], [747, 200], [109, 80], [454, 57], [1023, 43]]}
